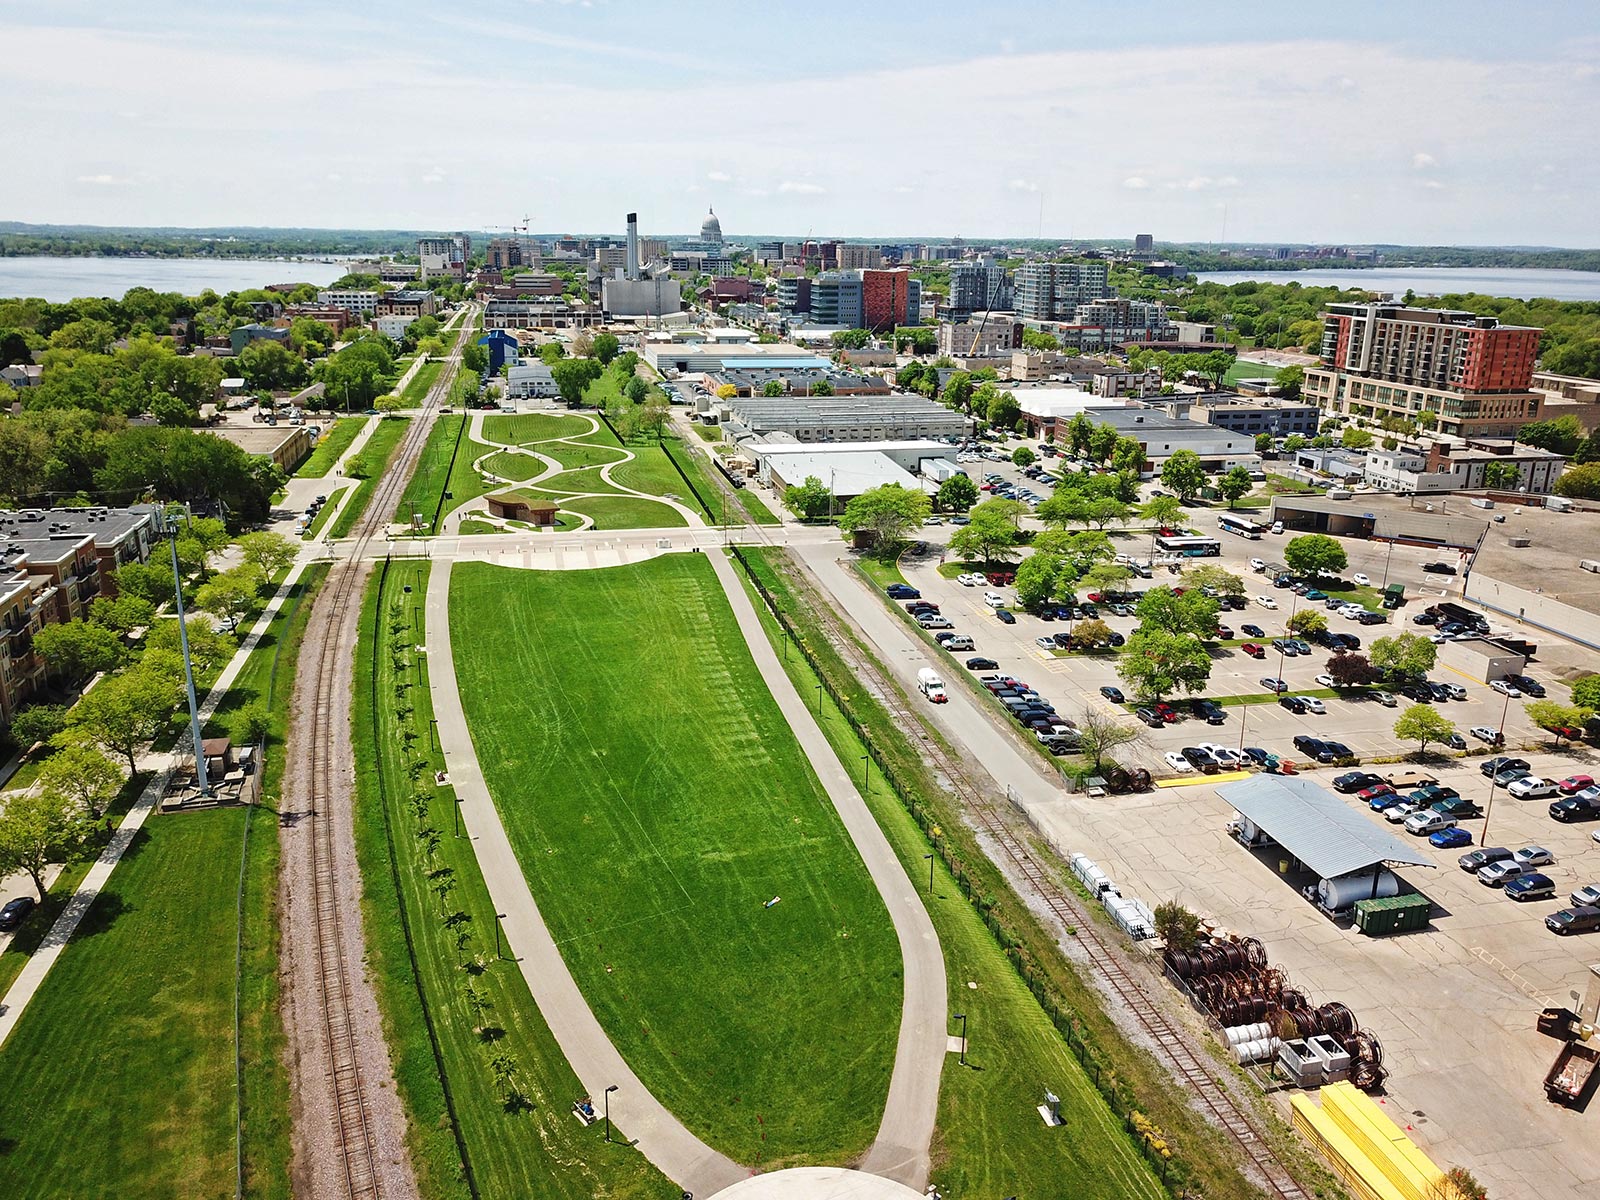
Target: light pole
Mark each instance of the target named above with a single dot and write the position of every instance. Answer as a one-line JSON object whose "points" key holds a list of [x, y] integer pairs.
{"points": [[188, 667], [433, 733], [1386, 563], [608, 1092], [866, 773], [929, 857], [1488, 809], [498, 917], [962, 1017], [819, 702]]}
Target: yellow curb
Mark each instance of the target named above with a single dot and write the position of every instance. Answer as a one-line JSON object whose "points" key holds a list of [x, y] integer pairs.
{"points": [[1202, 780]]}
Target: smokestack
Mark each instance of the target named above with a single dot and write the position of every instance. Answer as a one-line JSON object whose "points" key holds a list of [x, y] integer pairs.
{"points": [[632, 270]]}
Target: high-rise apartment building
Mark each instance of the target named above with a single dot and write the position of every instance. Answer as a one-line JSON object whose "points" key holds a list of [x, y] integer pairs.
{"points": [[836, 299], [886, 299], [794, 294], [1456, 372], [980, 286], [854, 257], [1053, 291], [503, 252], [1143, 243]]}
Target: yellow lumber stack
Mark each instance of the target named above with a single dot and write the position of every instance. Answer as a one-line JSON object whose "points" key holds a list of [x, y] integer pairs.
{"points": [[1366, 1149]]}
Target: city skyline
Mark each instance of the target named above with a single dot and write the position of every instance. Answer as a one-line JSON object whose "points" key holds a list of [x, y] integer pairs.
{"points": [[1244, 127]]}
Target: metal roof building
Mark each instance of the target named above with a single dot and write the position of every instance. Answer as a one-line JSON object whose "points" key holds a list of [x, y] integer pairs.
{"points": [[1378, 518], [1316, 826]]}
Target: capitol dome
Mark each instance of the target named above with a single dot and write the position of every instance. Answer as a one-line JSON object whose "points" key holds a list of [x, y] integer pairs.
{"points": [[711, 228]]}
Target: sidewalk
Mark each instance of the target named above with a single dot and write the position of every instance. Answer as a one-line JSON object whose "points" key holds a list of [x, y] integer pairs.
{"points": [[15, 1001]]}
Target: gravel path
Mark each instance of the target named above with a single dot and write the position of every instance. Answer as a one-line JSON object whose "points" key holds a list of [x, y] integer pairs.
{"points": [[318, 1169]]}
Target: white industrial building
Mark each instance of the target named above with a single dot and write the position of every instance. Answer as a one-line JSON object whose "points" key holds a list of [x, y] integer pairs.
{"points": [[531, 381], [393, 326], [1045, 409], [847, 471], [353, 300], [859, 419]]}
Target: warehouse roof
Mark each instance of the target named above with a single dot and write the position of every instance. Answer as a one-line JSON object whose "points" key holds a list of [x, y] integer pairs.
{"points": [[1315, 826]]}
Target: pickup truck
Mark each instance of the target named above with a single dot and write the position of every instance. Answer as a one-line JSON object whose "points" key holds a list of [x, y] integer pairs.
{"points": [[1458, 807]]}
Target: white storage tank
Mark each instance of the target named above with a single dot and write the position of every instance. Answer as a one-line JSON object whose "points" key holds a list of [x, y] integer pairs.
{"points": [[1344, 890]]}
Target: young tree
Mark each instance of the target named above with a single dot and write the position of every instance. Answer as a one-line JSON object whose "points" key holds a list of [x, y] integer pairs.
{"points": [[1023, 457], [1154, 663], [990, 536], [1037, 339], [810, 500], [1315, 554], [1236, 485], [821, 387], [1176, 926], [1306, 622], [1163, 512], [1263, 443], [888, 513], [1422, 723], [1552, 715], [1580, 483], [605, 348], [121, 613], [1500, 475], [475, 358], [1191, 613], [1183, 473], [1586, 692], [84, 776], [1356, 439], [250, 724], [772, 388], [1105, 577], [1219, 579], [208, 645], [958, 493], [1351, 670], [38, 828], [232, 595], [1288, 382], [1099, 733], [1294, 442], [389, 404], [38, 723], [726, 391], [1065, 507], [123, 712], [1091, 633], [1106, 510], [267, 552], [1405, 654]]}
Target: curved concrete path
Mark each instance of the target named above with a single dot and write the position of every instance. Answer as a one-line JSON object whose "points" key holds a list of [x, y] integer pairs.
{"points": [[819, 1183], [901, 1149]]}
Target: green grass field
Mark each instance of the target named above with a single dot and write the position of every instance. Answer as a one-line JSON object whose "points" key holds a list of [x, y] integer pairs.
{"points": [[708, 433], [655, 811], [519, 428], [518, 467], [756, 508], [435, 473], [323, 515], [539, 1152], [335, 440], [989, 1150], [417, 390], [651, 472], [375, 456], [626, 512], [574, 456]]}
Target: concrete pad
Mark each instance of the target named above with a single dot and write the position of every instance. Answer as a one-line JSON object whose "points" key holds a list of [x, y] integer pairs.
{"points": [[819, 1183]]}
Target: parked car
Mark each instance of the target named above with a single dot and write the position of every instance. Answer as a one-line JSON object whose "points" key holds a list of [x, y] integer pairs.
{"points": [[1588, 894], [1361, 580], [1254, 631], [1261, 757], [1313, 747], [1575, 808], [1257, 565], [1425, 618], [16, 911], [1355, 781], [1504, 688], [935, 621], [1340, 750], [1209, 711], [1527, 685], [1451, 838], [1532, 886], [1326, 681], [1574, 783], [971, 579], [1177, 762], [1045, 642], [1225, 756], [1273, 684], [1313, 704], [1509, 776], [1150, 717], [1253, 650], [1581, 919], [960, 642], [1293, 703], [1476, 860], [982, 664], [1532, 787], [1428, 821], [1491, 767], [1007, 617], [1165, 711], [1455, 741], [1439, 568], [1385, 698], [1266, 602], [1113, 694], [1375, 792], [1485, 733], [903, 591], [1200, 760], [1498, 874], [1286, 647], [1534, 856]]}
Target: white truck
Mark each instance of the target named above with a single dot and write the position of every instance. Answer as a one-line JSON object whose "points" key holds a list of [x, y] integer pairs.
{"points": [[931, 686]]}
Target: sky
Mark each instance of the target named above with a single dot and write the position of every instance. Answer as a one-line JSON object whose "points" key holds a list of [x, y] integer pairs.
{"points": [[1392, 121]]}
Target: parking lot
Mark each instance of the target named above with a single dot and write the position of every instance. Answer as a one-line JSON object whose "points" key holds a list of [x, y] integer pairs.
{"points": [[1454, 1006], [1073, 681]]}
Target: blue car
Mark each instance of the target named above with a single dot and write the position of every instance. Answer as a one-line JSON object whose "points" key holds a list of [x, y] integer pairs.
{"points": [[1531, 887], [1450, 839]]}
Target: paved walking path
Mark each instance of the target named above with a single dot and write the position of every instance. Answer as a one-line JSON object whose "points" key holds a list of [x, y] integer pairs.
{"points": [[28, 981], [660, 1136], [900, 1151]]}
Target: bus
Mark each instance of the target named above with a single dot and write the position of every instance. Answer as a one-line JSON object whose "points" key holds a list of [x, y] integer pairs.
{"points": [[1189, 547], [1243, 526]]}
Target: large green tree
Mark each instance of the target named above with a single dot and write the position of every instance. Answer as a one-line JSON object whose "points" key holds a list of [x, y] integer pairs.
{"points": [[573, 376], [1580, 483], [37, 828], [810, 500], [888, 513], [74, 650], [990, 535], [1404, 654], [1191, 613], [1235, 485], [958, 493], [1036, 579], [1314, 554], [123, 712], [1156, 662], [1563, 435], [1183, 473], [1422, 723]]}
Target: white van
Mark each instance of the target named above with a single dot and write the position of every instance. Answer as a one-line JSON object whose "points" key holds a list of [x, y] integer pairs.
{"points": [[930, 685], [994, 599]]}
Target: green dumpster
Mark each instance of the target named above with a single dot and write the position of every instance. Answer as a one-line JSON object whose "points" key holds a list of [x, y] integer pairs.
{"points": [[1392, 914]]}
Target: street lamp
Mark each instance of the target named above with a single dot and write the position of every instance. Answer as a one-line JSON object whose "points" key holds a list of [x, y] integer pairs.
{"points": [[433, 733], [498, 917], [962, 1017], [866, 773], [608, 1092], [1488, 809], [819, 702], [929, 857]]}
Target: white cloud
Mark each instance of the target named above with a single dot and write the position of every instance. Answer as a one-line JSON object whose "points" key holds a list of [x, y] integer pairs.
{"points": [[903, 190], [1421, 161], [793, 187], [1023, 185], [1433, 184], [102, 180], [434, 176], [1136, 183], [719, 177]]}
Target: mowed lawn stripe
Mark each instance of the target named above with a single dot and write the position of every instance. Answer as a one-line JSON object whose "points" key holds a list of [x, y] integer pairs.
{"points": [[657, 799]]}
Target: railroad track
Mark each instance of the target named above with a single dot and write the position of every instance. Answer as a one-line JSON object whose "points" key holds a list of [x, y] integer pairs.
{"points": [[1171, 1046], [355, 1139]]}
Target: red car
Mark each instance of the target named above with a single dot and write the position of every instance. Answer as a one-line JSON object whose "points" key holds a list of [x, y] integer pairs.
{"points": [[1166, 712], [1574, 783], [1370, 794], [1002, 578], [1253, 650]]}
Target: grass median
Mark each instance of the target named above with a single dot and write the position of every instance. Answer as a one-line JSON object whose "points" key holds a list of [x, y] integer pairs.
{"points": [[373, 461], [445, 465], [335, 440], [442, 953], [417, 390], [657, 801]]}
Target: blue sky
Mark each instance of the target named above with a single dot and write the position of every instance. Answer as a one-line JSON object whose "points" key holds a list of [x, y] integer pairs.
{"points": [[1467, 123]]}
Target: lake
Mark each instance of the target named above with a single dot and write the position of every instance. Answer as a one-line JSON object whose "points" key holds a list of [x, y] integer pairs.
{"points": [[61, 279], [1522, 282]]}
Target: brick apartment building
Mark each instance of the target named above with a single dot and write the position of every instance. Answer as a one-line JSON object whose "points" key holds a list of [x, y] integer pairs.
{"points": [[1456, 372], [886, 300]]}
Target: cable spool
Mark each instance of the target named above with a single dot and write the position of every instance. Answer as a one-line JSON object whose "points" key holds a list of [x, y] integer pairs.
{"points": [[1337, 1020]]}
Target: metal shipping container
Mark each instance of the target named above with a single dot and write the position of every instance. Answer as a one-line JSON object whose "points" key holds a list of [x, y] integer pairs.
{"points": [[1392, 914]]}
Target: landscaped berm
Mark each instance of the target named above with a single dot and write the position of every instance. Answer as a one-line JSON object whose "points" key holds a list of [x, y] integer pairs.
{"points": [[658, 803]]}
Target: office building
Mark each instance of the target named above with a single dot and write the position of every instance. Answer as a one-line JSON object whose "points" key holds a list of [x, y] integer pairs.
{"points": [[444, 256], [1456, 372], [1143, 243], [836, 299], [241, 337], [984, 335], [794, 294], [360, 302], [1254, 416], [1053, 291], [769, 252], [504, 252], [979, 286], [887, 300], [854, 257], [415, 303]]}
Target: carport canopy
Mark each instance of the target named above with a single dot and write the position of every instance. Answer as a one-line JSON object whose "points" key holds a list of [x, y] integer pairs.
{"points": [[1316, 826]]}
